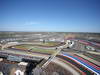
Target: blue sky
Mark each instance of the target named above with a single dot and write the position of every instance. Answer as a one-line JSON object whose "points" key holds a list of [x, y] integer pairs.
{"points": [[50, 15]]}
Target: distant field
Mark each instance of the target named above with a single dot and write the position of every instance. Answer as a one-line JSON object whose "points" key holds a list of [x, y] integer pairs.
{"points": [[50, 44]]}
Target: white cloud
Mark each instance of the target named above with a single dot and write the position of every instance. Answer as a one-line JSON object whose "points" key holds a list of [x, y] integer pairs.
{"points": [[31, 23]]}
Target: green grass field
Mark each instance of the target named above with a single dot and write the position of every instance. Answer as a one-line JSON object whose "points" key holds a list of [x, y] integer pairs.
{"points": [[43, 50], [93, 56], [35, 49]]}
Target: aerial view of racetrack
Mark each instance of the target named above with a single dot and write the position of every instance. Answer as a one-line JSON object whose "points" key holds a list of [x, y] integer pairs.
{"points": [[49, 37], [49, 53]]}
